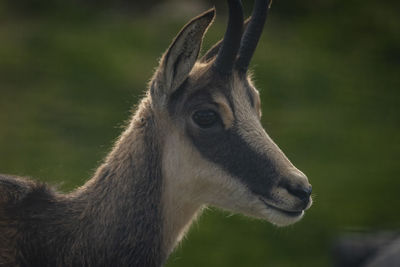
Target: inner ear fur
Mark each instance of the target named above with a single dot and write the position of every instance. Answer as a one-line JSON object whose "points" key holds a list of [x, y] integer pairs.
{"points": [[182, 54]]}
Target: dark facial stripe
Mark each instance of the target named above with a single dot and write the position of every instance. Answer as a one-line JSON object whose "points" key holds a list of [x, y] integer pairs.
{"points": [[228, 149], [221, 146]]}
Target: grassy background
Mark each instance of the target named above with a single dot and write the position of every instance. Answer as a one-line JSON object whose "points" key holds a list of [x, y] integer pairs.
{"points": [[329, 81]]}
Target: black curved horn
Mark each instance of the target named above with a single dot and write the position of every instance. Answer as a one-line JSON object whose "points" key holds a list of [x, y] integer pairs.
{"points": [[213, 51], [230, 46], [252, 34]]}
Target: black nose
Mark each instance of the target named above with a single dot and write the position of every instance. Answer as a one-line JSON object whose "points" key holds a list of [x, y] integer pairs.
{"points": [[302, 192], [296, 183]]}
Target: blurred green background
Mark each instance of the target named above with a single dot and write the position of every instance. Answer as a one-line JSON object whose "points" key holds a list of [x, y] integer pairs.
{"points": [[329, 76]]}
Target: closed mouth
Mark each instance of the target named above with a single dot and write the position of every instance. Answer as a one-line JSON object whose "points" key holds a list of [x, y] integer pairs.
{"points": [[285, 212]]}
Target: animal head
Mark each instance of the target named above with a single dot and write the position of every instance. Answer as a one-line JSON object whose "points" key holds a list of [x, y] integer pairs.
{"points": [[215, 149]]}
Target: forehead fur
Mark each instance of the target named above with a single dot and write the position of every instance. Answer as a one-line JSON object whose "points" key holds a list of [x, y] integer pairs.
{"points": [[230, 93]]}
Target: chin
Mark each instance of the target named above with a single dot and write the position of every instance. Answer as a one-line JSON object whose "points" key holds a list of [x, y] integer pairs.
{"points": [[281, 219], [274, 215]]}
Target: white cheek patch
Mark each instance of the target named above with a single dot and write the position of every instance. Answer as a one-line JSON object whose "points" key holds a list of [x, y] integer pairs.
{"points": [[197, 179]]}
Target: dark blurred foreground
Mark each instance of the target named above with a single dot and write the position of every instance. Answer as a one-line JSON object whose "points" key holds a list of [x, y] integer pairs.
{"points": [[368, 250]]}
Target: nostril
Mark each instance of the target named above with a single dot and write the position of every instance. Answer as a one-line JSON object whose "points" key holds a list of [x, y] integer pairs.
{"points": [[308, 190], [303, 192]]}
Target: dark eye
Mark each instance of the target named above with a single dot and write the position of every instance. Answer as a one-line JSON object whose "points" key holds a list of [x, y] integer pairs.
{"points": [[205, 118]]}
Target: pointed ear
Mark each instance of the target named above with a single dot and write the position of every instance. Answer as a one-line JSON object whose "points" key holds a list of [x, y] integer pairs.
{"points": [[213, 51], [179, 59]]}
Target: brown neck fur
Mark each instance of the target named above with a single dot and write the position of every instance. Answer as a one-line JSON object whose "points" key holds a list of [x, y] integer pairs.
{"points": [[115, 219]]}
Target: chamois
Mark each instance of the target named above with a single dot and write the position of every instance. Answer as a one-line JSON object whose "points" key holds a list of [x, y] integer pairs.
{"points": [[195, 139]]}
